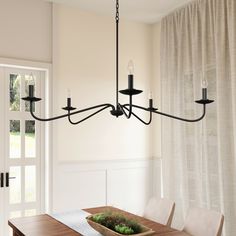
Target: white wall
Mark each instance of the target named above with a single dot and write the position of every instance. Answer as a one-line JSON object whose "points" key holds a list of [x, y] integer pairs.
{"points": [[25, 29], [104, 160], [84, 61], [156, 85]]}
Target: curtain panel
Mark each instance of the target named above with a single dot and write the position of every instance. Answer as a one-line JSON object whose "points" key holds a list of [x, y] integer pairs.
{"points": [[199, 160]]}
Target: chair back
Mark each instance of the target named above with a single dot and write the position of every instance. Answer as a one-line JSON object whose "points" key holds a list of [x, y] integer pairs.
{"points": [[202, 222], [161, 211]]}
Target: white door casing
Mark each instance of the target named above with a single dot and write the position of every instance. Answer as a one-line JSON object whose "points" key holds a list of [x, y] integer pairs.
{"points": [[30, 169], [2, 149]]}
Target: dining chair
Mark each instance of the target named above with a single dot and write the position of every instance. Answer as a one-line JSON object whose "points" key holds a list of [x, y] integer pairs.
{"points": [[161, 211], [202, 222]]}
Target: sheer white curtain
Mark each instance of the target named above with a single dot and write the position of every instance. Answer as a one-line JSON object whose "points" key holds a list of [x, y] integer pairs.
{"points": [[199, 159]]}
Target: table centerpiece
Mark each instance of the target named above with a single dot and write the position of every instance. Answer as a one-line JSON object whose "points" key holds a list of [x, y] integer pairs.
{"points": [[114, 224]]}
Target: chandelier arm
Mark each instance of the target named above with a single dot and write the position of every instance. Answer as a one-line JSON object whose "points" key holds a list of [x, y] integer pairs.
{"points": [[171, 116], [183, 119], [136, 106], [124, 112], [129, 110], [66, 115], [144, 122], [86, 118]]}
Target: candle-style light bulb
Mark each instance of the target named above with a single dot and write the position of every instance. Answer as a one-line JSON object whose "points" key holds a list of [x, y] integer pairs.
{"points": [[130, 67], [31, 79], [204, 83]]}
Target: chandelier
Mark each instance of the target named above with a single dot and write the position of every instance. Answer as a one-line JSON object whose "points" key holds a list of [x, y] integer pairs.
{"points": [[118, 109]]}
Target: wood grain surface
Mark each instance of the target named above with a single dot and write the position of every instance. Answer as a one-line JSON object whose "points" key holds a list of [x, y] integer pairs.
{"points": [[45, 225]]}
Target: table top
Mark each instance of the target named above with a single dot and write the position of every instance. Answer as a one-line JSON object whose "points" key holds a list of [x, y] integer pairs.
{"points": [[45, 225]]}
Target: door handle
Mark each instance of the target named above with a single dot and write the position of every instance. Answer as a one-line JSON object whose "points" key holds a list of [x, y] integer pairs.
{"points": [[8, 178], [1, 180]]}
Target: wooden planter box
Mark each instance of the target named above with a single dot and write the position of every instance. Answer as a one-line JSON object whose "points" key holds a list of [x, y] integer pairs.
{"points": [[108, 232]]}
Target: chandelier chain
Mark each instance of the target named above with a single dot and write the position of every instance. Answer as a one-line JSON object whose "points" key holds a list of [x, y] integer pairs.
{"points": [[117, 52], [117, 10]]}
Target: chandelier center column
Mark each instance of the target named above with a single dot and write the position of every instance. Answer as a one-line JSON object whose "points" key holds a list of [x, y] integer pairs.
{"points": [[117, 52]]}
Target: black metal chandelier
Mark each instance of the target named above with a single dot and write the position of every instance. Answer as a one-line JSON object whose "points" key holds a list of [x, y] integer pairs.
{"points": [[118, 109]]}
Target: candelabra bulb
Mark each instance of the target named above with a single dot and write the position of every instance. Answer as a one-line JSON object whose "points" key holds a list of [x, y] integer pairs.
{"points": [[150, 95], [31, 79], [204, 83], [130, 67]]}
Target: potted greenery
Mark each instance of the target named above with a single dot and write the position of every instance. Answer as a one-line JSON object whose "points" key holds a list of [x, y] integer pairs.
{"points": [[113, 224]]}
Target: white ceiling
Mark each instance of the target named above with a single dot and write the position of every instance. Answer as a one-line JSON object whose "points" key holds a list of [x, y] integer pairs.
{"points": [[148, 11]]}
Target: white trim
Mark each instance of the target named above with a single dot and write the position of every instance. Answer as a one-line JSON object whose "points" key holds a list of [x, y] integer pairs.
{"points": [[22, 116], [49, 144], [105, 164], [48, 164], [21, 66], [108, 161], [2, 152]]}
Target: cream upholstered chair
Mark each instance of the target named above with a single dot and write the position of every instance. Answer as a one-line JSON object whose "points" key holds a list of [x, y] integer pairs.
{"points": [[203, 222], [161, 211]]}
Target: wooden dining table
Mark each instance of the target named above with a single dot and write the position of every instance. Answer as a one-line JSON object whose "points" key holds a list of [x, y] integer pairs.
{"points": [[45, 225]]}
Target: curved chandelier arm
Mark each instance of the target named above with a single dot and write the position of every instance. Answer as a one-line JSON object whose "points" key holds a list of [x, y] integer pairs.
{"points": [[144, 122], [183, 119], [93, 114], [129, 110], [136, 106], [171, 116], [69, 114]]}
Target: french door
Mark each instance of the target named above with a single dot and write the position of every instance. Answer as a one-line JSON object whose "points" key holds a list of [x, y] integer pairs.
{"points": [[21, 147]]}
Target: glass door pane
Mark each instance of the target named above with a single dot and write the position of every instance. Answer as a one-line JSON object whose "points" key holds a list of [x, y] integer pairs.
{"points": [[30, 139], [15, 185], [23, 146], [14, 92], [15, 139], [30, 184]]}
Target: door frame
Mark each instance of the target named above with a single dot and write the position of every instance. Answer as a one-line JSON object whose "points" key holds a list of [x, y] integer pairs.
{"points": [[46, 178], [2, 152], [37, 161]]}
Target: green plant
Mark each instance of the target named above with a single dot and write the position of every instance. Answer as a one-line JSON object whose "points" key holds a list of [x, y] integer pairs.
{"points": [[123, 229], [118, 223]]}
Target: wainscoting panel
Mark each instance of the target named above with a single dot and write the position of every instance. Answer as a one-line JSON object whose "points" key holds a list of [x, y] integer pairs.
{"points": [[126, 184], [157, 178], [79, 189], [130, 189]]}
